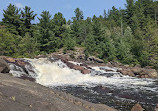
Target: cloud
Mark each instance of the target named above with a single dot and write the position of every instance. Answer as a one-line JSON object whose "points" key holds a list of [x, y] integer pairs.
{"points": [[19, 5]]}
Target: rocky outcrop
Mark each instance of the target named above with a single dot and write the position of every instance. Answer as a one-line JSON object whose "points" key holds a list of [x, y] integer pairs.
{"points": [[136, 71], [127, 72], [22, 95], [137, 107], [25, 67], [139, 72], [95, 59], [81, 68], [4, 67]]}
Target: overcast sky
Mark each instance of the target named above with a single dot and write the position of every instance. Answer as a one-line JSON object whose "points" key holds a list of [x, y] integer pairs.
{"points": [[67, 7]]}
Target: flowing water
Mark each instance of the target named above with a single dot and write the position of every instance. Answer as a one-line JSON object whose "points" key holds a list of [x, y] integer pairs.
{"points": [[100, 86]]}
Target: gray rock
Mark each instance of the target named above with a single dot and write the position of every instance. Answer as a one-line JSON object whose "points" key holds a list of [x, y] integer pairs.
{"points": [[4, 67], [94, 59], [22, 95], [152, 73]]}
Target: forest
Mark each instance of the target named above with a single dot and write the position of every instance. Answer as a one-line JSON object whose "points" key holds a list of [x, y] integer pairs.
{"points": [[129, 35]]}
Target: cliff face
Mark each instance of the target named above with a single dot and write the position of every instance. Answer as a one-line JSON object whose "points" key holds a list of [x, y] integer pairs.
{"points": [[22, 95]]}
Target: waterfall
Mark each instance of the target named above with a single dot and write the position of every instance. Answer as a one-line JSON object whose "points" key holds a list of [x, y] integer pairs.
{"points": [[102, 82], [58, 73]]}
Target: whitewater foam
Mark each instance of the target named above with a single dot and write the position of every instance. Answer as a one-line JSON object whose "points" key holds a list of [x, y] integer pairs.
{"points": [[57, 73]]}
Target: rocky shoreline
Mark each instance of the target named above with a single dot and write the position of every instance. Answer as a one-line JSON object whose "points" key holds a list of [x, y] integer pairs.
{"points": [[135, 71], [22, 95], [79, 56]]}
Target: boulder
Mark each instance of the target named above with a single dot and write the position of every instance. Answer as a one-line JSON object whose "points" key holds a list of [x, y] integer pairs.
{"points": [[117, 64], [152, 73], [41, 56], [137, 70], [142, 76], [109, 64], [21, 63], [137, 107], [146, 76], [83, 69], [4, 67], [94, 59], [127, 72], [85, 65]]}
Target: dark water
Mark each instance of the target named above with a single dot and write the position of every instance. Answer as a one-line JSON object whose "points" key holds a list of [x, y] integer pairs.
{"points": [[118, 98]]}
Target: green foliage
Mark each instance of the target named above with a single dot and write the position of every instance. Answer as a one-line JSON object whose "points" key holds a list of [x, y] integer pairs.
{"points": [[8, 43], [27, 17], [12, 19], [45, 32], [27, 46], [126, 35]]}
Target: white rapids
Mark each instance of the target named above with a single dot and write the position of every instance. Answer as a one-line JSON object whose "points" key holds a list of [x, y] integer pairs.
{"points": [[58, 74]]}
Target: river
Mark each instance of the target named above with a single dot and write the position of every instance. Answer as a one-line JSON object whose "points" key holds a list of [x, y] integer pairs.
{"points": [[100, 86]]}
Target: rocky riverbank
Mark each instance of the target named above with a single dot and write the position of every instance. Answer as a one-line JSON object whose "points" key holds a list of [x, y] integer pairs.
{"points": [[22, 95], [77, 64], [79, 56]]}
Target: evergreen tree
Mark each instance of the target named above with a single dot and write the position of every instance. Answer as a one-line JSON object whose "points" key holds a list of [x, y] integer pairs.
{"points": [[27, 17], [8, 45], [59, 21], [46, 32], [27, 46], [12, 19]]}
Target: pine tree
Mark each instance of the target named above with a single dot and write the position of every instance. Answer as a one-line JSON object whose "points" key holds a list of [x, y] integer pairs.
{"points": [[45, 25], [27, 17], [12, 19]]}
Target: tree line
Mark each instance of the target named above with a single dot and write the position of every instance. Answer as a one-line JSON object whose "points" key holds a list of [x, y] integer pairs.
{"points": [[129, 35]]}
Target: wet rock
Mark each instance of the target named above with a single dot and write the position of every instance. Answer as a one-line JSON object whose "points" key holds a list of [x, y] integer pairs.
{"points": [[4, 67], [27, 78], [127, 72], [146, 76], [116, 64], [85, 71], [41, 56], [85, 65], [82, 69], [109, 64], [137, 107], [24, 67], [142, 76], [94, 59], [137, 70]]}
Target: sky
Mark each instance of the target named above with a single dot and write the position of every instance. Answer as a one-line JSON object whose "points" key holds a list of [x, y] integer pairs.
{"points": [[66, 7]]}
